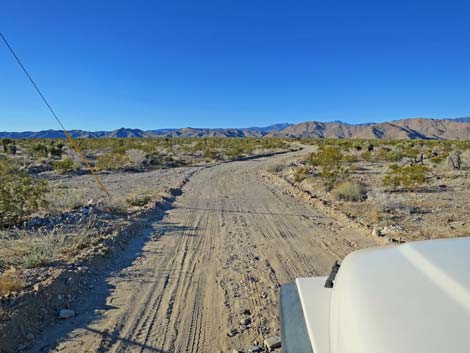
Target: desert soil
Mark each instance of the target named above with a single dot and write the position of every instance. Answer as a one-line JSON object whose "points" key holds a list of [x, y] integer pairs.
{"points": [[224, 248]]}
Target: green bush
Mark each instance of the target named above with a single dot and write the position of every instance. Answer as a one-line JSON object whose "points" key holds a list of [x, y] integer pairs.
{"points": [[350, 158], [301, 173], [330, 175], [55, 148], [326, 156], [387, 154], [407, 176], [65, 166], [349, 191], [5, 143], [40, 149], [9, 146], [20, 194], [329, 159]]}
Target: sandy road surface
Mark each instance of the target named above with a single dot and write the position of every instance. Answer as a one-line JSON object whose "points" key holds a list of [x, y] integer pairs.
{"points": [[226, 246]]}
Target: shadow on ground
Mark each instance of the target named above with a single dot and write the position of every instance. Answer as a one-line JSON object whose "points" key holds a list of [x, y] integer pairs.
{"points": [[90, 303]]}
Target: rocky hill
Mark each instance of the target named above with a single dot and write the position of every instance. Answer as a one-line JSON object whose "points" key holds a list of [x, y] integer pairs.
{"points": [[399, 129]]}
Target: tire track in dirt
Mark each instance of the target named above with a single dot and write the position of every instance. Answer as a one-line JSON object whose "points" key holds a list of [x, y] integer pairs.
{"points": [[228, 243]]}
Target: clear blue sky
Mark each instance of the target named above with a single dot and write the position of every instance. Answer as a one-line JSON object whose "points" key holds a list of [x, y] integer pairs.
{"points": [[155, 64]]}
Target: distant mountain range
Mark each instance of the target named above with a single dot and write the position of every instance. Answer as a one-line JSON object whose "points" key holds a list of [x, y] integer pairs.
{"points": [[399, 129]]}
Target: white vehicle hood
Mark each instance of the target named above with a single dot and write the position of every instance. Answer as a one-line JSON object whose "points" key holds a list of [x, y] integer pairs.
{"points": [[410, 298]]}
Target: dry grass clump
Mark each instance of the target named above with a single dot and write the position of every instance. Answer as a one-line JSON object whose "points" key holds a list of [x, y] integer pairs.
{"points": [[9, 282], [276, 168], [61, 199], [349, 191], [29, 250]]}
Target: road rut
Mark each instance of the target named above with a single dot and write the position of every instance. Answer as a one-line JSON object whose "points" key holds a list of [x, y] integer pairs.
{"points": [[226, 246]]}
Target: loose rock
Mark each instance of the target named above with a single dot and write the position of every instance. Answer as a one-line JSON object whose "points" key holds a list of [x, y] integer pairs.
{"points": [[66, 314], [245, 321], [377, 232], [232, 332], [272, 343]]}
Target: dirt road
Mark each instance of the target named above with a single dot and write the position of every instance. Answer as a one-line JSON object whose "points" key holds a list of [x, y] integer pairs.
{"points": [[224, 248]]}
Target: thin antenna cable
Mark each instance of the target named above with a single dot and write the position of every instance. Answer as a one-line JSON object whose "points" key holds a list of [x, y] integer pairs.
{"points": [[69, 137]]}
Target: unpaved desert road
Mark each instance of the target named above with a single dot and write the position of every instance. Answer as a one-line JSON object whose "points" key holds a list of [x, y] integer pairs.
{"points": [[227, 244]]}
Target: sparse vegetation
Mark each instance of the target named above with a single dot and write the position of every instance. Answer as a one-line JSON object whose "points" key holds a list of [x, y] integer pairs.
{"points": [[407, 176], [389, 176], [349, 191], [20, 194], [29, 249], [66, 165], [329, 160]]}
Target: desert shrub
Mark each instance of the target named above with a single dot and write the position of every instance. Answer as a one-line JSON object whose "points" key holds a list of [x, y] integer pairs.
{"points": [[61, 199], [235, 152], [390, 155], [275, 168], [55, 148], [117, 205], [20, 194], [326, 156], [349, 191], [5, 143], [330, 175], [301, 173], [350, 158], [439, 158], [109, 161], [10, 283], [210, 154], [329, 159], [39, 254], [406, 176], [367, 156], [29, 249], [9, 146], [65, 166], [139, 200], [40, 149]]}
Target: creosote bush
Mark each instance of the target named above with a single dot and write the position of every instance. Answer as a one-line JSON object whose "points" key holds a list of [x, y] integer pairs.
{"points": [[20, 194], [406, 176], [329, 159], [65, 166]]}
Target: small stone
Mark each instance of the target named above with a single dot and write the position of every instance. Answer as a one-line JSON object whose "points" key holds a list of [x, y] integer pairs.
{"points": [[245, 321], [243, 328], [272, 343], [66, 314], [377, 232], [254, 349], [82, 268], [246, 312], [37, 287], [232, 332]]}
